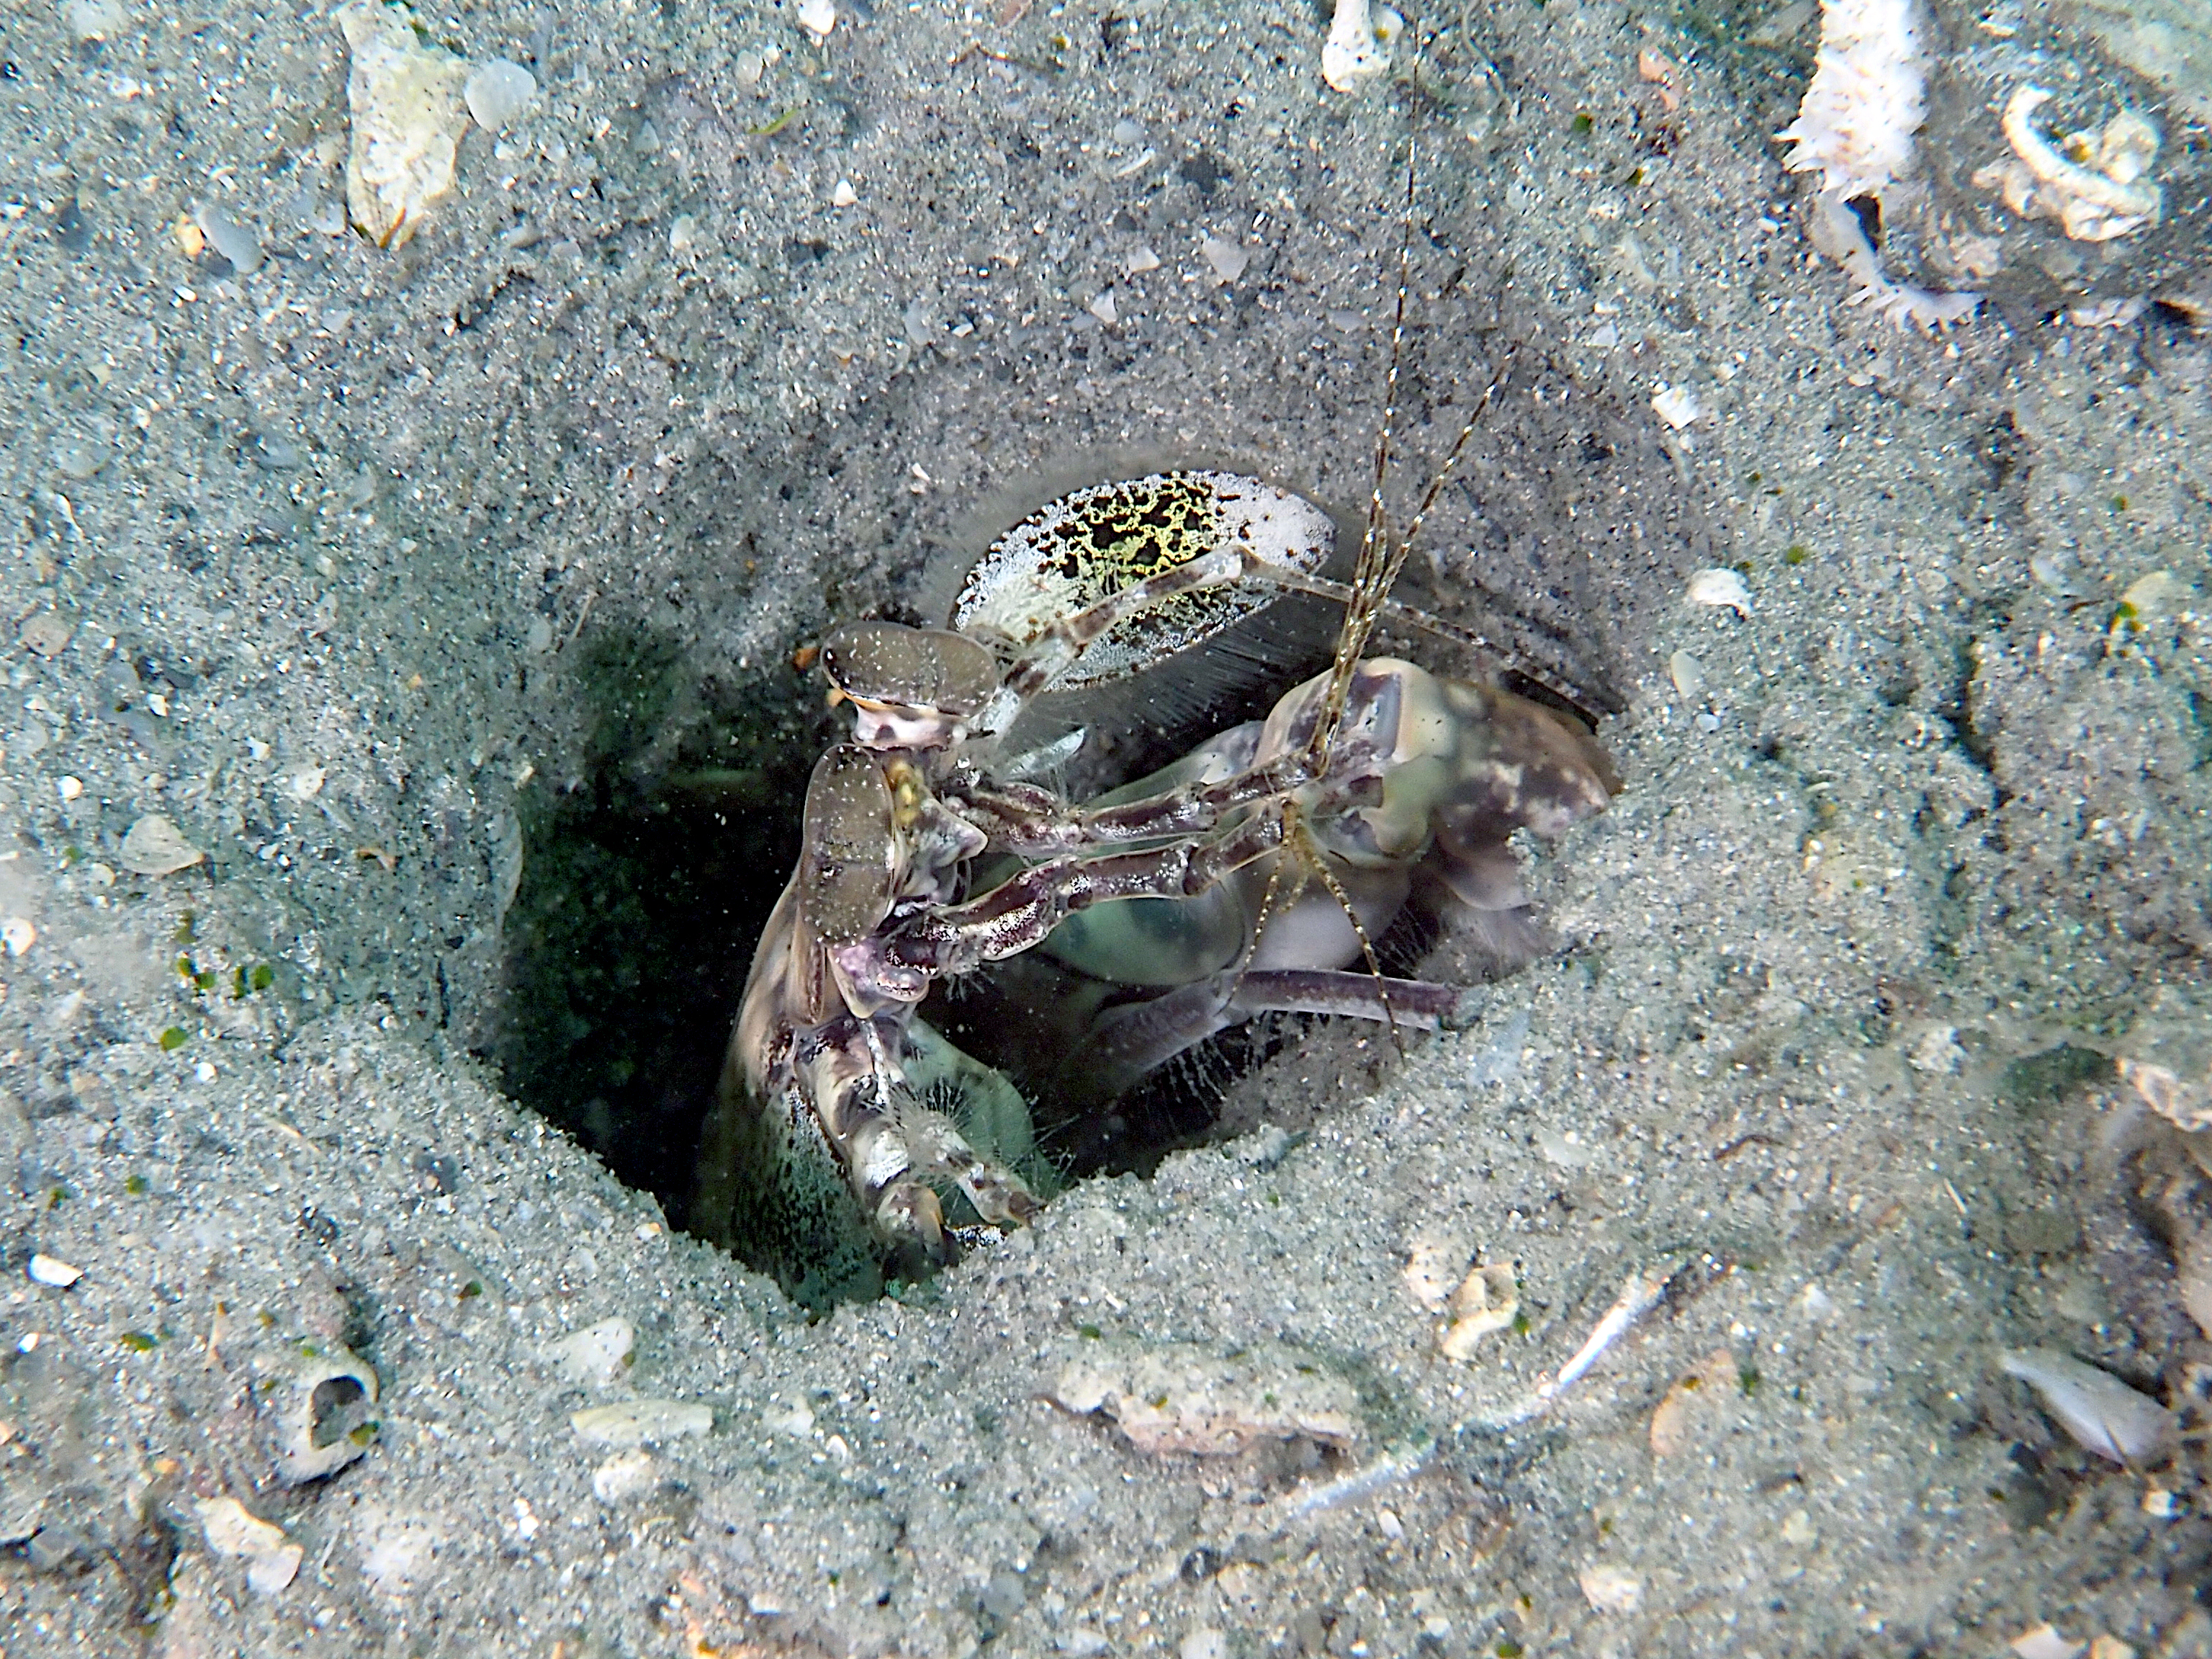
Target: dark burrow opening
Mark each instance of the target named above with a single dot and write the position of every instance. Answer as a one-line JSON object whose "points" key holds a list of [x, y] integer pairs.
{"points": [[648, 873]]}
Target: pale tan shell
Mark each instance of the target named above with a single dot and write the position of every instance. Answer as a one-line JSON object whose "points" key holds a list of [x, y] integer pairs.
{"points": [[156, 847], [408, 118]]}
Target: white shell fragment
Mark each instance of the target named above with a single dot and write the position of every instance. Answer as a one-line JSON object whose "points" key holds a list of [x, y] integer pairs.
{"points": [[626, 1474], [1187, 1397], [273, 1570], [408, 118], [1721, 587], [1431, 1272], [635, 1422], [48, 1270], [1610, 1588], [156, 847], [1677, 405], [2096, 200], [232, 1529], [18, 934], [2184, 1104], [323, 1427], [842, 195], [1352, 56], [595, 1356], [2103, 1414], [818, 18], [2043, 1642], [1487, 1300], [1228, 258], [235, 242], [497, 92], [1688, 673]]}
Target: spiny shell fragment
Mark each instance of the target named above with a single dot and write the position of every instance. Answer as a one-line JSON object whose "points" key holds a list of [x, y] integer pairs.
{"points": [[408, 119]]}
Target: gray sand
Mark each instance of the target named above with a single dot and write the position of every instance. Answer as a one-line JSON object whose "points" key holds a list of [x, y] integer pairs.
{"points": [[337, 553]]}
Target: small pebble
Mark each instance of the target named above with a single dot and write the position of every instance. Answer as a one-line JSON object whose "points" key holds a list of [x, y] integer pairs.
{"points": [[69, 787], [2045, 1643], [1708, 722], [18, 934], [1141, 260], [49, 1270], [818, 18], [47, 634], [232, 1529], [93, 20], [497, 92], [274, 1569], [2160, 1504], [844, 195], [308, 783], [1103, 307]]}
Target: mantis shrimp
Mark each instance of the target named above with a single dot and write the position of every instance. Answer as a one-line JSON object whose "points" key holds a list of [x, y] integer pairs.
{"points": [[1247, 878]]}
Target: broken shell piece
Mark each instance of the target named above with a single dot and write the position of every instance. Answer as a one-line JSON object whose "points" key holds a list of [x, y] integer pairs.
{"points": [[46, 1270], [1487, 1300], [156, 847], [1721, 587], [818, 18], [2091, 203], [2103, 1414], [326, 1426], [635, 1422], [1677, 405], [1352, 55], [2043, 1642], [273, 1570], [595, 1356], [844, 196], [1431, 1272], [1610, 1588], [2186, 1105], [1688, 673], [1187, 1397], [625, 1475], [232, 1529], [408, 118], [498, 91]]}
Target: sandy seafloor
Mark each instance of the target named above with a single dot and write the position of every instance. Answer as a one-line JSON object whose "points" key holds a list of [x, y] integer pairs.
{"points": [[329, 548]]}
